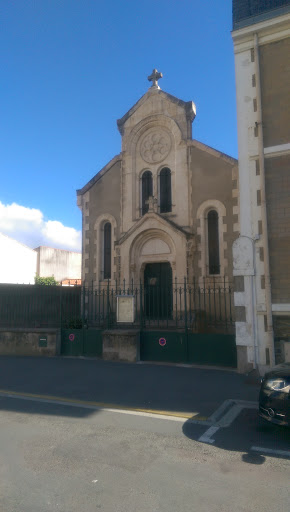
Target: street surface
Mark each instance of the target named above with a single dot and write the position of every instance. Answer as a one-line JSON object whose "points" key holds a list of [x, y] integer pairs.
{"points": [[63, 450]]}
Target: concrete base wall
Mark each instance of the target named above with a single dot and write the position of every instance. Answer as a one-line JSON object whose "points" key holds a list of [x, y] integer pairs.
{"points": [[121, 345], [26, 342], [243, 365]]}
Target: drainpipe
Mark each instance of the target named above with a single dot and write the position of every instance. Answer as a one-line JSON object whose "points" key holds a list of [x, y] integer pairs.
{"points": [[263, 204]]}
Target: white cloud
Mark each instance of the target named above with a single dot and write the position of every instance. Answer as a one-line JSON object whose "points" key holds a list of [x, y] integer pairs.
{"points": [[28, 226]]}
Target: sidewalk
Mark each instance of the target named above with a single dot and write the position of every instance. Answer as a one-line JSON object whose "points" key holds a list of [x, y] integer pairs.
{"points": [[147, 386]]}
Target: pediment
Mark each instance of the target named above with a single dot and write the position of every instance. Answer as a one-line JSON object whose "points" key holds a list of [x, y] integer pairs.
{"points": [[155, 101], [154, 221]]}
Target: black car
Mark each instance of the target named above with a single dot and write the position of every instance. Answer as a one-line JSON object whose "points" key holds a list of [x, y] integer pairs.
{"points": [[274, 399]]}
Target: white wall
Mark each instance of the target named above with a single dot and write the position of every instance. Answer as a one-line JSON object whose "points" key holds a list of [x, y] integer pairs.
{"points": [[17, 262], [58, 263]]}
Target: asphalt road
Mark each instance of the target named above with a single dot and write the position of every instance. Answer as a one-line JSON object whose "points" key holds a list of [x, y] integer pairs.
{"points": [[160, 387], [71, 459], [206, 453]]}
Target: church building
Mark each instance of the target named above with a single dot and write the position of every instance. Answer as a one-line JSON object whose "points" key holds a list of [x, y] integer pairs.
{"points": [[165, 208]]}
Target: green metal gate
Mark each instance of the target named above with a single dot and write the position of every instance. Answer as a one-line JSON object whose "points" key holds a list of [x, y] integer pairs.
{"points": [[81, 342], [195, 348]]}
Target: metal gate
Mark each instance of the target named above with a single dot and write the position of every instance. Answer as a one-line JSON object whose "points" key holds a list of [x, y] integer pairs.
{"points": [[195, 348], [81, 342]]}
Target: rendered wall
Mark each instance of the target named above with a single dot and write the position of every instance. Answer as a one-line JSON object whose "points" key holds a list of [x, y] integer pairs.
{"points": [[58, 263]]}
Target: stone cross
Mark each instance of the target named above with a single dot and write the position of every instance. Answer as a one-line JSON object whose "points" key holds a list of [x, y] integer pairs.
{"points": [[154, 77], [151, 201]]}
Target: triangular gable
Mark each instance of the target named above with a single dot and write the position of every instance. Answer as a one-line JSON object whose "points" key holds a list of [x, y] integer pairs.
{"points": [[211, 151], [99, 175], [160, 220], [188, 106]]}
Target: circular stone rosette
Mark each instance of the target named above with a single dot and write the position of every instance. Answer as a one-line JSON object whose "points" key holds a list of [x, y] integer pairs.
{"points": [[155, 146]]}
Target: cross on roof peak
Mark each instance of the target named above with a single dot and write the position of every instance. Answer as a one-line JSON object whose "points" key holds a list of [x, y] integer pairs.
{"points": [[154, 77]]}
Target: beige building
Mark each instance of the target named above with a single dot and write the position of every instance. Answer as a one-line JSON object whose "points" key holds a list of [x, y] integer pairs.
{"points": [[62, 264], [19, 264], [166, 207], [261, 39]]}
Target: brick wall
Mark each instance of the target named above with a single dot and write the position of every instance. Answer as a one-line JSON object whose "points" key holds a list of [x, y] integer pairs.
{"points": [[278, 213], [275, 80]]}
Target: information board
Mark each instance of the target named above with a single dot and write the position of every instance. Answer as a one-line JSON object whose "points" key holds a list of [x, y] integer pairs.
{"points": [[125, 309]]}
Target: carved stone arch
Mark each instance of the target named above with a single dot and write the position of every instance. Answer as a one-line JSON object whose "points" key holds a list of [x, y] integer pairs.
{"points": [[201, 215], [152, 245], [98, 232]]}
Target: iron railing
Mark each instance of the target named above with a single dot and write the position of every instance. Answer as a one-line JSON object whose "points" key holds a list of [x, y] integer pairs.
{"points": [[187, 305], [198, 306]]}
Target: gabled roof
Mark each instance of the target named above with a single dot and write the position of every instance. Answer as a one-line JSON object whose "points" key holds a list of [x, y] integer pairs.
{"points": [[158, 218], [99, 175], [188, 106], [214, 152]]}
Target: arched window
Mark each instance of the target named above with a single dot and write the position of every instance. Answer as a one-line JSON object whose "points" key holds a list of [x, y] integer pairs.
{"points": [[107, 250], [147, 190], [165, 190], [213, 242]]}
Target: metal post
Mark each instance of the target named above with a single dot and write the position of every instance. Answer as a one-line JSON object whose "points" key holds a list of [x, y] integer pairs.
{"points": [[185, 320], [141, 306], [108, 304]]}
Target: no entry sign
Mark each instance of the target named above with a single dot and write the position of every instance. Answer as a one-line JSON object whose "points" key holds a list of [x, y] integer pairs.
{"points": [[162, 342]]}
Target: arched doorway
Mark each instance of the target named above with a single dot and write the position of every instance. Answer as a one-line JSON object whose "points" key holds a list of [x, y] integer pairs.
{"points": [[158, 290]]}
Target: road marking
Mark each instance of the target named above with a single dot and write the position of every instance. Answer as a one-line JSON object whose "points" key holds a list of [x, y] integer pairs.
{"points": [[269, 451], [229, 411], [100, 406], [206, 437], [94, 481]]}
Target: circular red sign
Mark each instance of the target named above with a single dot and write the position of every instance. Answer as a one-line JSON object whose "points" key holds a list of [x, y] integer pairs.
{"points": [[71, 337], [162, 342]]}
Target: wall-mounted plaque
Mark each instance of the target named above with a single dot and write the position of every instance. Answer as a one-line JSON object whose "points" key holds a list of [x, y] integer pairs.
{"points": [[125, 309]]}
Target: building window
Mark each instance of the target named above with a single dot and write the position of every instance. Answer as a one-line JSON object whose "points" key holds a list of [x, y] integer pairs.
{"points": [[147, 190], [165, 190], [107, 250], [213, 242]]}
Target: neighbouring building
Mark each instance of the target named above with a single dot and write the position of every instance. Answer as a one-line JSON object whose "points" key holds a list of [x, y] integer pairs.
{"points": [[64, 265], [19, 264], [261, 36]]}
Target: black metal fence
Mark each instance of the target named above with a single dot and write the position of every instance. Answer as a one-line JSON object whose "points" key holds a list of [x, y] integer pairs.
{"points": [[175, 306], [200, 307], [34, 306]]}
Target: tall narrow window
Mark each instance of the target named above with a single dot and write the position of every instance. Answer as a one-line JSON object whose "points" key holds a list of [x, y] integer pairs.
{"points": [[147, 190], [107, 250], [213, 242], [165, 190]]}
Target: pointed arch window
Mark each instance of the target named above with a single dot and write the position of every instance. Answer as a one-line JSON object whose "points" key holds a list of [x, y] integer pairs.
{"points": [[213, 242], [165, 190], [107, 250], [147, 190]]}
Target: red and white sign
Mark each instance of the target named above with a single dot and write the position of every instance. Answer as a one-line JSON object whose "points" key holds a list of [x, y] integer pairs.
{"points": [[162, 342], [71, 337]]}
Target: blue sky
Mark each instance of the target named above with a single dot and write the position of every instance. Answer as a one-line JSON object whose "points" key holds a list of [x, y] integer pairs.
{"points": [[71, 68]]}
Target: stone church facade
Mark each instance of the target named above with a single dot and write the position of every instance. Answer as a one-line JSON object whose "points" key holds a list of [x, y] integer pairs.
{"points": [[166, 201]]}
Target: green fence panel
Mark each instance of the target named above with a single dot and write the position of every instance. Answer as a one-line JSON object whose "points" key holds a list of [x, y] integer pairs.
{"points": [[212, 349], [71, 342], [163, 346], [93, 344]]}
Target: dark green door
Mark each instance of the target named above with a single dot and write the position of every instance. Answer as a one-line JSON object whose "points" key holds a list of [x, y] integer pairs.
{"points": [[158, 290]]}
